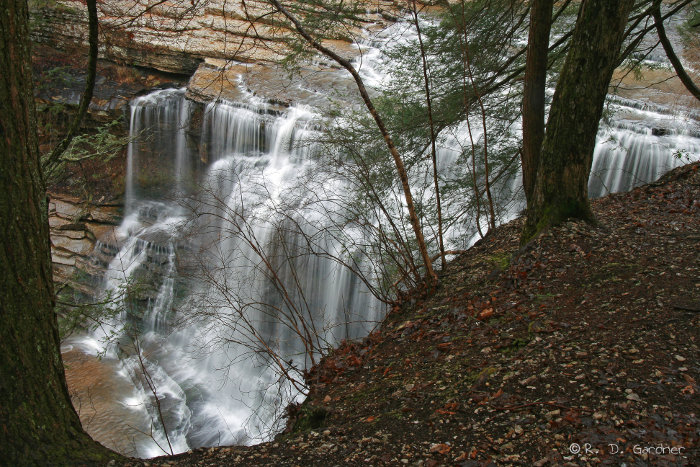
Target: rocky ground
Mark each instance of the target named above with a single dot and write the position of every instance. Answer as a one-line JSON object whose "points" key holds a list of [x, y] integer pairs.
{"points": [[580, 349]]}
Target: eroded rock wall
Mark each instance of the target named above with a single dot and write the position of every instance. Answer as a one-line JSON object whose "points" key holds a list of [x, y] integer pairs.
{"points": [[175, 36], [81, 240]]}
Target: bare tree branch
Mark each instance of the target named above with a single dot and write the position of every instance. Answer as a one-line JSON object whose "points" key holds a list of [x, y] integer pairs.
{"points": [[673, 58]]}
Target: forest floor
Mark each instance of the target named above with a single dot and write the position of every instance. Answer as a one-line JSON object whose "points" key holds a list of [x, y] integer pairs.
{"points": [[580, 349]]}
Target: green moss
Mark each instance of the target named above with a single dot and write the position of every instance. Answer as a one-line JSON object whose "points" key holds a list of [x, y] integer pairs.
{"points": [[514, 346], [555, 213], [500, 260], [474, 376], [311, 418]]}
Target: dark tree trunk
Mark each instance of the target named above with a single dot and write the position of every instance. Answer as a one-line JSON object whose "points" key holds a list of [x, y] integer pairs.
{"points": [[672, 57], [533, 92], [38, 425], [561, 188]]}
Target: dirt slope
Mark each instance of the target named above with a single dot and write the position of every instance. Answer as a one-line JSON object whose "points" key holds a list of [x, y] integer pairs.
{"points": [[581, 349]]}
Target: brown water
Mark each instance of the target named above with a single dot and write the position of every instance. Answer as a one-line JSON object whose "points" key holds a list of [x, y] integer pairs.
{"points": [[105, 403]]}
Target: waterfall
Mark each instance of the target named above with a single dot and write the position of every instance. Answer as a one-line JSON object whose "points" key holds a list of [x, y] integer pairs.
{"points": [[640, 145], [224, 278], [214, 262], [214, 267], [159, 125]]}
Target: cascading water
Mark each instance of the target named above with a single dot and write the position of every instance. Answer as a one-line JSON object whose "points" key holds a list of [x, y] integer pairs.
{"points": [[642, 142], [260, 289], [224, 286], [640, 145], [214, 293]]}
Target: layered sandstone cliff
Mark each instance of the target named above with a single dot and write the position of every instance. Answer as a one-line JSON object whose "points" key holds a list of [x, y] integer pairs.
{"points": [[216, 41]]}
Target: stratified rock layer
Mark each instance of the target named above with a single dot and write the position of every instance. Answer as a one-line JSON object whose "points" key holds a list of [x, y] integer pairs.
{"points": [[176, 36], [77, 229]]}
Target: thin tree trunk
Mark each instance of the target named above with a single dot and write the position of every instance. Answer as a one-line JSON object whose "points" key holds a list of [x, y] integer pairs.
{"points": [[487, 185], [465, 98], [534, 91], [433, 150], [52, 159], [672, 57], [561, 188], [400, 168], [38, 424]]}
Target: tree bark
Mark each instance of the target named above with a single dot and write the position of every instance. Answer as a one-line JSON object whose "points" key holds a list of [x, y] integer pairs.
{"points": [[534, 91], [561, 187], [433, 136], [38, 425]]}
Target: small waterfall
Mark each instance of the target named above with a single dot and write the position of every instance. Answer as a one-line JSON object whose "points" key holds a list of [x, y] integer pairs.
{"points": [[159, 124], [641, 146]]}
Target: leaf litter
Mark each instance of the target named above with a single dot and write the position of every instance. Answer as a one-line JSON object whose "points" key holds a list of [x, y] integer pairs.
{"points": [[579, 349]]}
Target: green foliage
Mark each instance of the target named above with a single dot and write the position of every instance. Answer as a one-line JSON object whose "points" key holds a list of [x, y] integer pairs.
{"points": [[683, 155], [97, 147], [77, 311], [475, 54], [501, 260], [57, 76], [463, 70], [127, 303], [689, 28], [37, 8], [105, 143]]}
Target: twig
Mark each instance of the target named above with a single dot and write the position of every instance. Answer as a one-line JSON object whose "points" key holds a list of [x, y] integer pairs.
{"points": [[530, 404]]}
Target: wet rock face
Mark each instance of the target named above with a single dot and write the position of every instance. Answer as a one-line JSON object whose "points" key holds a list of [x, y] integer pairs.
{"points": [[60, 75], [311, 85], [65, 25]]}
